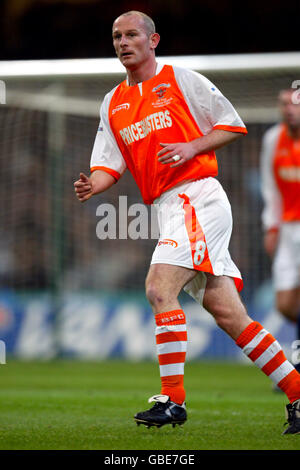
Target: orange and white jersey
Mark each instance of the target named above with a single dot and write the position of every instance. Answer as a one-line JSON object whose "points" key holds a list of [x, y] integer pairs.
{"points": [[280, 177], [176, 105]]}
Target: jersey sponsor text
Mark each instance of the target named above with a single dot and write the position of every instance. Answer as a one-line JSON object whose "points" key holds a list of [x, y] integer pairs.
{"points": [[140, 129], [291, 173]]}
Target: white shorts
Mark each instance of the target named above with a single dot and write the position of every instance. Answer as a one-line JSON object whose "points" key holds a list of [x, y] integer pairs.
{"points": [[286, 264], [195, 224]]}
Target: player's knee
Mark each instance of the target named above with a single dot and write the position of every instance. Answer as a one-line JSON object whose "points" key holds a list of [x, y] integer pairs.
{"points": [[158, 294], [154, 293]]}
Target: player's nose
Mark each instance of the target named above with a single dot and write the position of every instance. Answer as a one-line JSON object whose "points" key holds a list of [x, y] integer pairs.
{"points": [[123, 41]]}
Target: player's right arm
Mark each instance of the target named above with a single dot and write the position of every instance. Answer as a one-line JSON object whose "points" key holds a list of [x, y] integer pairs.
{"points": [[107, 163], [87, 186]]}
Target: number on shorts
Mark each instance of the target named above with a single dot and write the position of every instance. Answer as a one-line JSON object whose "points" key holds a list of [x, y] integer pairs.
{"points": [[200, 252]]}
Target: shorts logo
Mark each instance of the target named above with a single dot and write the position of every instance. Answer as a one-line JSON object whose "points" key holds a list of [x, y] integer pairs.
{"points": [[125, 106], [168, 241], [161, 89]]}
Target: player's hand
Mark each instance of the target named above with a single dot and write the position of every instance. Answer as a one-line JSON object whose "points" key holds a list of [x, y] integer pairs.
{"points": [[182, 151], [83, 188], [271, 241]]}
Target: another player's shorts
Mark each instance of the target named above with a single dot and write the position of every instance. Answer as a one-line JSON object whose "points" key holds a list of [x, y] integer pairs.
{"points": [[195, 223], [286, 265]]}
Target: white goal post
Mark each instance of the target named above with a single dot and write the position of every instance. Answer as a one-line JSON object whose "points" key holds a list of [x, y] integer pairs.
{"points": [[251, 81]]}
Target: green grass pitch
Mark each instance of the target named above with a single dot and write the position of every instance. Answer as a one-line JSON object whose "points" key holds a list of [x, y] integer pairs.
{"points": [[69, 405]]}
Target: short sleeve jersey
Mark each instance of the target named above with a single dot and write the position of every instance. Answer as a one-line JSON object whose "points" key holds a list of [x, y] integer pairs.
{"points": [[176, 105], [280, 171]]}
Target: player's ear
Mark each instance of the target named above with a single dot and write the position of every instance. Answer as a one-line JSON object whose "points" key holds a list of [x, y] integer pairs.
{"points": [[154, 40]]}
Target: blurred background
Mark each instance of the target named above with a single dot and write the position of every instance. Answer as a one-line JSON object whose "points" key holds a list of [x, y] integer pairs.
{"points": [[64, 292], [51, 29]]}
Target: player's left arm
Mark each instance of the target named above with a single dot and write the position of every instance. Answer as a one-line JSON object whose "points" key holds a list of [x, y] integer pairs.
{"points": [[217, 119], [216, 139]]}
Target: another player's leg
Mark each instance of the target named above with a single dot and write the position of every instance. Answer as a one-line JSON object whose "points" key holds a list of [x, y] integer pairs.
{"points": [[222, 300], [286, 276], [163, 284], [297, 365], [288, 304]]}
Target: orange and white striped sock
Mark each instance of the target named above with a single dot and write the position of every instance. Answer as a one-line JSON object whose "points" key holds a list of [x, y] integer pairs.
{"points": [[171, 345], [263, 349]]}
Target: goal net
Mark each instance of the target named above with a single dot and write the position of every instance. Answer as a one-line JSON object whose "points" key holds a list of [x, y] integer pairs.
{"points": [[48, 122]]}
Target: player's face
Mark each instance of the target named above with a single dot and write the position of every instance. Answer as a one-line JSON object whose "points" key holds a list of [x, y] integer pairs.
{"points": [[132, 44], [290, 111]]}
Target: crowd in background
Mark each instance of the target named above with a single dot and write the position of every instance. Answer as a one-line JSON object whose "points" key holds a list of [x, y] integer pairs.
{"points": [[51, 29]]}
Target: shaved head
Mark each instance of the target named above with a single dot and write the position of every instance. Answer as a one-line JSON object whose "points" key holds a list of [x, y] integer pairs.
{"points": [[289, 107], [135, 41], [148, 22]]}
